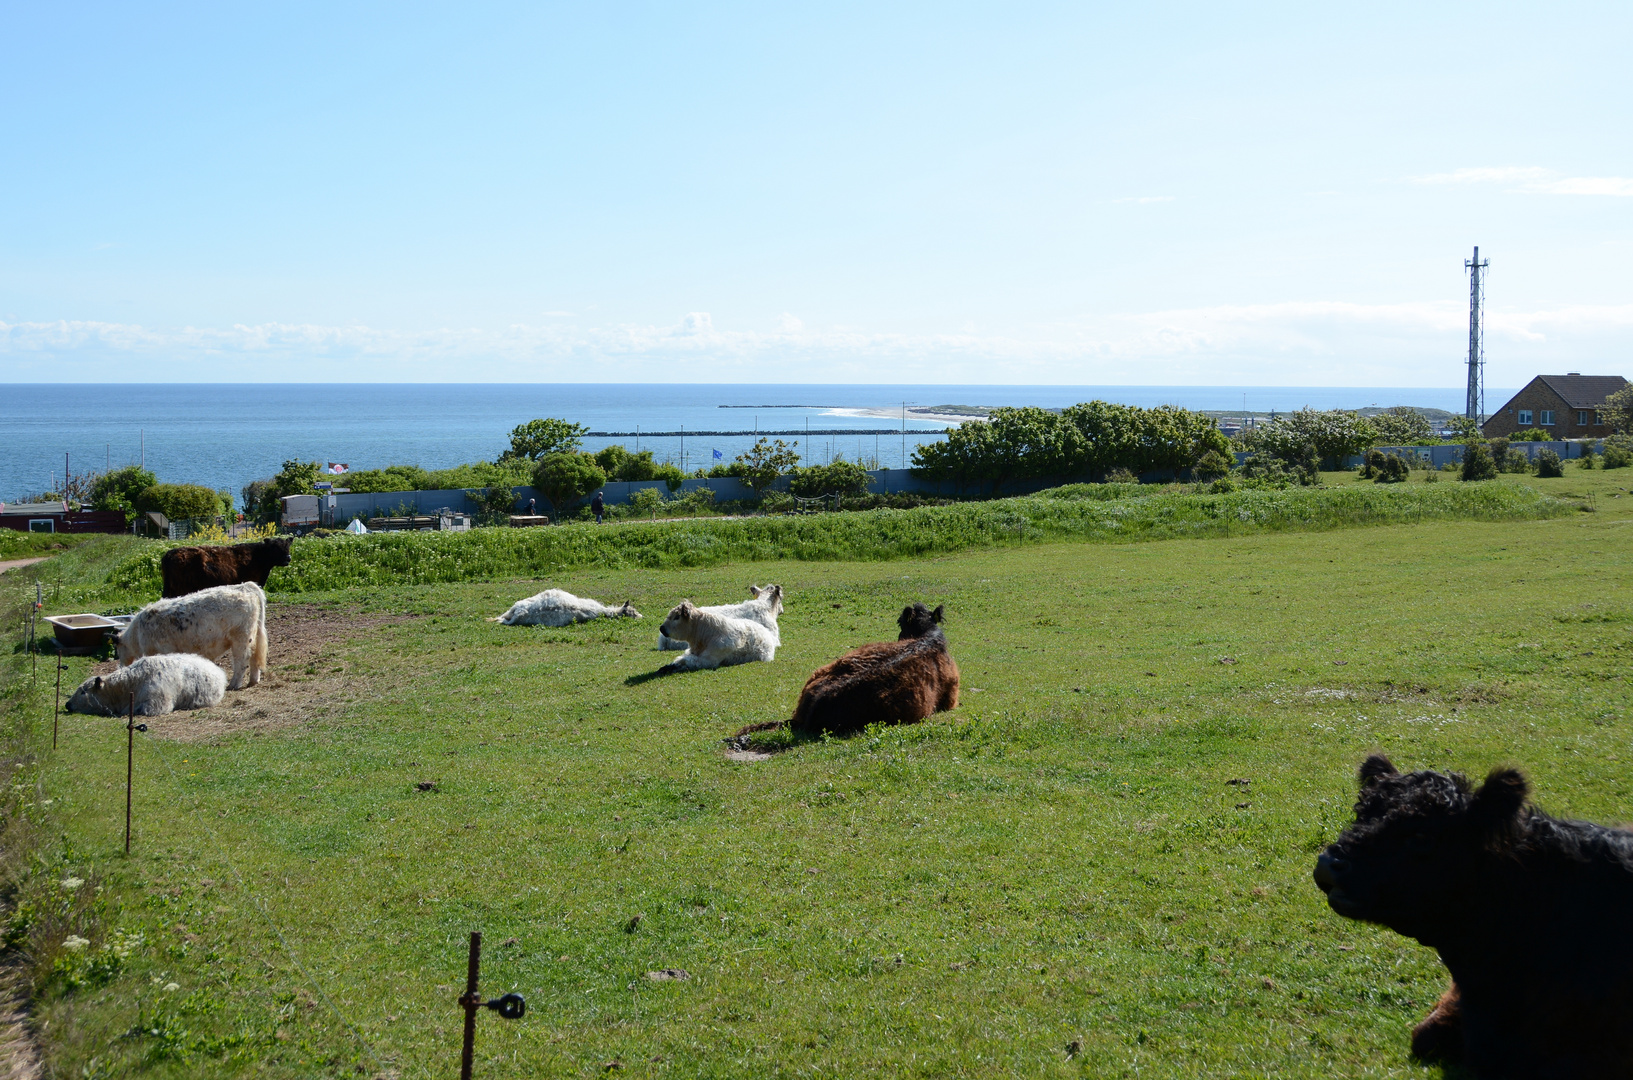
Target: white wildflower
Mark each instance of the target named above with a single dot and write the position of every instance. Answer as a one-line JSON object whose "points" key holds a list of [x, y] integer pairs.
{"points": [[168, 987], [74, 941], [72, 883]]}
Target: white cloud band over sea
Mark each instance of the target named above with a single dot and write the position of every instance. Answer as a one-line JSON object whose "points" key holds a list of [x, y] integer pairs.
{"points": [[1300, 343]]}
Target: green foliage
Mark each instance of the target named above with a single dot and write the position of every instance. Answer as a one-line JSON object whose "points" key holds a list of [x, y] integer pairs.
{"points": [[1334, 435], [538, 439], [477, 474], [1464, 429], [671, 476], [1086, 439], [1618, 411], [729, 468], [1477, 462], [698, 500], [180, 501], [1535, 434], [1618, 452], [1212, 465], [1393, 469], [118, 490], [838, 477], [644, 502], [1585, 460], [494, 505], [564, 479], [1117, 474], [1548, 463], [764, 462], [1402, 426], [1162, 513]]}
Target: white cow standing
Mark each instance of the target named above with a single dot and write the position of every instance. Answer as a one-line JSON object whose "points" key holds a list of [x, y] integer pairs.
{"points": [[557, 607], [714, 640], [226, 618], [159, 685], [763, 607]]}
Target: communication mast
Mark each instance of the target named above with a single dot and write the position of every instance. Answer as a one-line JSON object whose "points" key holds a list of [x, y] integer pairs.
{"points": [[1476, 407]]}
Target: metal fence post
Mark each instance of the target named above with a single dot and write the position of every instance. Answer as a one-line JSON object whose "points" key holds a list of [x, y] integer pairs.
{"points": [[510, 1006]]}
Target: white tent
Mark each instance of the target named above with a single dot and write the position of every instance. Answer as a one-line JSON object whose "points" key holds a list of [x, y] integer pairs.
{"points": [[357, 528]]}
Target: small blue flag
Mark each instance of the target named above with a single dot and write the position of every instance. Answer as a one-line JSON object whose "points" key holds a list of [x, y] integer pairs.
{"points": [[718, 455]]}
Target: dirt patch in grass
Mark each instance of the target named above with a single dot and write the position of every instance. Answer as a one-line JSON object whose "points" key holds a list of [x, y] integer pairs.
{"points": [[306, 678]]}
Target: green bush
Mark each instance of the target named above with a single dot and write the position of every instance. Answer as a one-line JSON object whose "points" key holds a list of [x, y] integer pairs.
{"points": [[644, 502], [1120, 475], [538, 439], [180, 502], [1211, 466], [1618, 452], [1535, 434], [1402, 426], [1548, 463], [1477, 462], [1392, 470], [839, 477], [494, 505], [1586, 460]]}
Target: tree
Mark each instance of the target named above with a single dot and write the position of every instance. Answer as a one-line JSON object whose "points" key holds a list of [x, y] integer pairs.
{"points": [[118, 490], [538, 439], [566, 478], [1618, 410], [1402, 426], [1548, 463], [495, 504], [1463, 428], [1335, 435], [179, 502], [1211, 466], [766, 460], [645, 501]]}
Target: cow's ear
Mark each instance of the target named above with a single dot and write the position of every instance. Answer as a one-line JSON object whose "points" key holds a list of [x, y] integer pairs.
{"points": [[754, 591], [1501, 797], [936, 615], [1375, 768], [98, 683]]}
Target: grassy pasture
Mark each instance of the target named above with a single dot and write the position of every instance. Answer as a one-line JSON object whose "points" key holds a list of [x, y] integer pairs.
{"points": [[1062, 860]]}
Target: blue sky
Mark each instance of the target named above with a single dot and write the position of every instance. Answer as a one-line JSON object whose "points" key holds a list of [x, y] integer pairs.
{"points": [[1007, 193]]}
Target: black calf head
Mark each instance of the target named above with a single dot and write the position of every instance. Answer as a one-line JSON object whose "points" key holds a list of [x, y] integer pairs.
{"points": [[279, 548], [1413, 856], [917, 620]]}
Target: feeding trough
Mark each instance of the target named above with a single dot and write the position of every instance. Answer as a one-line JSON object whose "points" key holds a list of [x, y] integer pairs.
{"points": [[85, 631]]}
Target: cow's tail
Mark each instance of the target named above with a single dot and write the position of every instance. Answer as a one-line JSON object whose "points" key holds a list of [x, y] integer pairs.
{"points": [[769, 725], [258, 651]]}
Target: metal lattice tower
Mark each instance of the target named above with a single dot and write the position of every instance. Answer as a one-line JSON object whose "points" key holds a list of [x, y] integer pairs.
{"points": [[1476, 407]]}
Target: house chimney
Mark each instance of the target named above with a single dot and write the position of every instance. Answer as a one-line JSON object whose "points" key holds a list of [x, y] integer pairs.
{"points": [[1573, 373]]}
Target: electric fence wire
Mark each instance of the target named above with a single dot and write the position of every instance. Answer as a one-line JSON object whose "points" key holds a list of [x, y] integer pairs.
{"points": [[266, 916]]}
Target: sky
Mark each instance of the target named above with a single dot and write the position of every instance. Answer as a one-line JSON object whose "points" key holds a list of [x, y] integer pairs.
{"points": [[1171, 194]]}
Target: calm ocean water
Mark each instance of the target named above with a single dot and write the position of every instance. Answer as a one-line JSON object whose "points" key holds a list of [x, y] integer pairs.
{"points": [[225, 435]]}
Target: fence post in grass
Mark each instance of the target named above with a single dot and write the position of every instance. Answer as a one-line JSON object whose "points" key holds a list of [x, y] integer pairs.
{"points": [[510, 1006], [131, 728], [56, 713]]}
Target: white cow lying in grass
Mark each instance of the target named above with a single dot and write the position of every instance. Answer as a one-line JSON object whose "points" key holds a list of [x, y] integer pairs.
{"points": [[557, 607], [763, 607], [160, 684], [226, 618], [714, 640]]}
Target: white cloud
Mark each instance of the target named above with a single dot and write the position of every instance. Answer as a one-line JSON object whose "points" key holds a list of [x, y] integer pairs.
{"points": [[790, 324], [1534, 181], [1320, 343]]}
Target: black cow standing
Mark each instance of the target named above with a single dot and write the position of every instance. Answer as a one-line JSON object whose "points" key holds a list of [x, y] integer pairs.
{"points": [[1533, 917]]}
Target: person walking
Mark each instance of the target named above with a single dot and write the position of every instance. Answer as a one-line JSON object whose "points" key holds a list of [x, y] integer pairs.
{"points": [[597, 505]]}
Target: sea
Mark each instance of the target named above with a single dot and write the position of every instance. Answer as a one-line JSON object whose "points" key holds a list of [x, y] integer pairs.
{"points": [[224, 435]]}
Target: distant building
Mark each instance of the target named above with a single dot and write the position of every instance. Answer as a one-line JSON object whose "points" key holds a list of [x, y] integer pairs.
{"points": [[1565, 406]]}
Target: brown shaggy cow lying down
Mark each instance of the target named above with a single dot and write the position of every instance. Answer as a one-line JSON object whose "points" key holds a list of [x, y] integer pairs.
{"points": [[890, 682]]}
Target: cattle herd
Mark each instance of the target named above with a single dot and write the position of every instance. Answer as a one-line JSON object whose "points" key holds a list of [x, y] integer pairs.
{"points": [[1532, 915]]}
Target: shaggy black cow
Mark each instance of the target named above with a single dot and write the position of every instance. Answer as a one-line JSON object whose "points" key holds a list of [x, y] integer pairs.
{"points": [[1532, 916], [193, 569]]}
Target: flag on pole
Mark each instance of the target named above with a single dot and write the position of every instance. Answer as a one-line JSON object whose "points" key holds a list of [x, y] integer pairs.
{"points": [[336, 467], [718, 455]]}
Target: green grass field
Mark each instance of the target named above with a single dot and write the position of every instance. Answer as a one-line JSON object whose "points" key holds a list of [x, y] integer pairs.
{"points": [[1099, 865]]}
